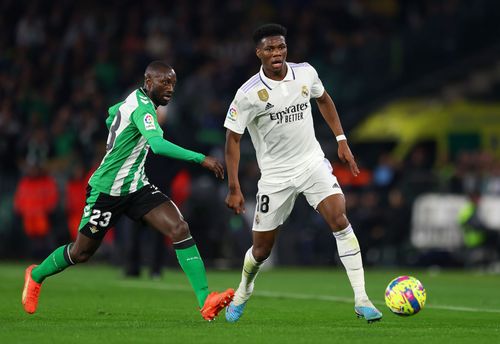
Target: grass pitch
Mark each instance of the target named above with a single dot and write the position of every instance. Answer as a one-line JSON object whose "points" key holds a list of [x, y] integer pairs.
{"points": [[94, 304]]}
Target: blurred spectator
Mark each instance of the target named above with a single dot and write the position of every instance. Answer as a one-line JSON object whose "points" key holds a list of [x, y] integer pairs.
{"points": [[482, 245], [384, 173], [75, 199], [35, 199], [397, 218], [418, 176], [10, 129]]}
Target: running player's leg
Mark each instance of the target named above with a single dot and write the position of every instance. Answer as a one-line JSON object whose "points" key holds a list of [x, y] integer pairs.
{"points": [[78, 252], [274, 205], [324, 194], [96, 220], [167, 219], [255, 256], [332, 209]]}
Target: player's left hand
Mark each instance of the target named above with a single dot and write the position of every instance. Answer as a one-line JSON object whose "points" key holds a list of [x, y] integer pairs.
{"points": [[346, 156], [212, 164]]}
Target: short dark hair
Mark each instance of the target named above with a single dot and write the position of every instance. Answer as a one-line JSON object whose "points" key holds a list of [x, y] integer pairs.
{"points": [[268, 30], [157, 66]]}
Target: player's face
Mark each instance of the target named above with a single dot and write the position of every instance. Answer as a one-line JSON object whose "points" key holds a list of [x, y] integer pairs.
{"points": [[272, 53], [161, 86]]}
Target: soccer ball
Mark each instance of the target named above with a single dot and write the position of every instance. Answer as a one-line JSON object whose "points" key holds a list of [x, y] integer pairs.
{"points": [[405, 296]]}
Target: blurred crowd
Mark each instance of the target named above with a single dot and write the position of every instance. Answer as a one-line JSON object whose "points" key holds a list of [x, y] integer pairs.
{"points": [[63, 63]]}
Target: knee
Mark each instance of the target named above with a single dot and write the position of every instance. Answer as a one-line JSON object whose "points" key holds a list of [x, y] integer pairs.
{"points": [[261, 253], [180, 231], [338, 221]]}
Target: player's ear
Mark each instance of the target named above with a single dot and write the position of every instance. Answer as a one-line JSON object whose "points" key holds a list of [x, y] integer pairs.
{"points": [[258, 52], [147, 82]]}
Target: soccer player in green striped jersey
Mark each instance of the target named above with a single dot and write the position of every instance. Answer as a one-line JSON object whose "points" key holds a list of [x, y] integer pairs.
{"points": [[119, 186]]}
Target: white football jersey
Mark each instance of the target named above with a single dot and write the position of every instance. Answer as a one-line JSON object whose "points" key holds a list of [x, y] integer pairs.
{"points": [[279, 119]]}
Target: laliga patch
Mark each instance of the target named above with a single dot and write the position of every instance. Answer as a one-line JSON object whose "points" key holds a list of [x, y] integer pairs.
{"points": [[149, 122], [232, 114]]}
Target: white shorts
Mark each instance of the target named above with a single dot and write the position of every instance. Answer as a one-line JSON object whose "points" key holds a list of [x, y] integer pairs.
{"points": [[275, 201]]}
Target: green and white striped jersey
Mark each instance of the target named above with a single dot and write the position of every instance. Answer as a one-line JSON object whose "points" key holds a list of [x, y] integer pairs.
{"points": [[131, 123]]}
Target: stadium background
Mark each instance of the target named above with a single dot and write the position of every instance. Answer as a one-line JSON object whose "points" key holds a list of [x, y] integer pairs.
{"points": [[62, 63]]}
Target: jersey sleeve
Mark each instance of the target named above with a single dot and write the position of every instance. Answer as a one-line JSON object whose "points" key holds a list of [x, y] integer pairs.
{"points": [[147, 123], [239, 113], [317, 88]]}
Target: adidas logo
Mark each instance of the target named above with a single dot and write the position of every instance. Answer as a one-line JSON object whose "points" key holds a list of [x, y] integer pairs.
{"points": [[269, 106], [336, 186]]}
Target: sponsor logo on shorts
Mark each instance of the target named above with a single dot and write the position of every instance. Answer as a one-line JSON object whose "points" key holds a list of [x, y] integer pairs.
{"points": [[149, 122], [257, 219], [93, 229]]}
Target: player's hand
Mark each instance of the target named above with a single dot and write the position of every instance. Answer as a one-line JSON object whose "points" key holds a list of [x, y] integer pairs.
{"points": [[346, 156], [236, 201], [212, 164]]}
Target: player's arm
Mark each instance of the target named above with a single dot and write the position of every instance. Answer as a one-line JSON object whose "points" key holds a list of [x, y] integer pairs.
{"points": [[148, 126], [168, 149], [234, 199], [329, 113]]}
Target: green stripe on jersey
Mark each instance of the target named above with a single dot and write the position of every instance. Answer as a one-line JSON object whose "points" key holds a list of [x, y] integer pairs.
{"points": [[131, 123]]}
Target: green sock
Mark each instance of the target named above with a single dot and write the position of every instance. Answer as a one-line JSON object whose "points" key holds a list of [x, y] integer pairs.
{"points": [[192, 264], [56, 262]]}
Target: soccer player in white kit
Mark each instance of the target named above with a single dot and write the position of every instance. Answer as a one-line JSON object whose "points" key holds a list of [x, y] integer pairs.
{"points": [[274, 105]]}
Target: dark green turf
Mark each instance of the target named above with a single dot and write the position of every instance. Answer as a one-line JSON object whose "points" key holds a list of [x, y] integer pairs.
{"points": [[94, 304]]}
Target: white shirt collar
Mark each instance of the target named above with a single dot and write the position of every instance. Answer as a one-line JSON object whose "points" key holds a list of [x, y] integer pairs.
{"points": [[270, 83]]}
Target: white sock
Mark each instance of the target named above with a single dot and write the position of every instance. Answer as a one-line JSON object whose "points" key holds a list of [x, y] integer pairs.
{"points": [[250, 269], [350, 255]]}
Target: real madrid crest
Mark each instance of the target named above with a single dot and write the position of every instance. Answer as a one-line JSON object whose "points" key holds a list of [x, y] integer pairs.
{"points": [[263, 95], [305, 91]]}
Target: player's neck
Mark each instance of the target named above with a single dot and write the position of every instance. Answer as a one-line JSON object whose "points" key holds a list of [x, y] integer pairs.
{"points": [[143, 89], [277, 76]]}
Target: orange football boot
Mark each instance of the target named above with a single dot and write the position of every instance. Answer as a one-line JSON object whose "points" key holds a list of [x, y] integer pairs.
{"points": [[216, 302], [31, 291]]}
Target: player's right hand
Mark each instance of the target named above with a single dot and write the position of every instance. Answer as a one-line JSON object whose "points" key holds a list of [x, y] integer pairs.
{"points": [[236, 201], [212, 164]]}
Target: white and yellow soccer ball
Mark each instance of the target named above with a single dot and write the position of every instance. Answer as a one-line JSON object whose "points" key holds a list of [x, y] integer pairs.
{"points": [[405, 296]]}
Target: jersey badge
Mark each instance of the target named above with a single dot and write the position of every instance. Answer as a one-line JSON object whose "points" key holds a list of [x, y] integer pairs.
{"points": [[232, 114], [305, 91], [149, 123], [263, 95]]}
